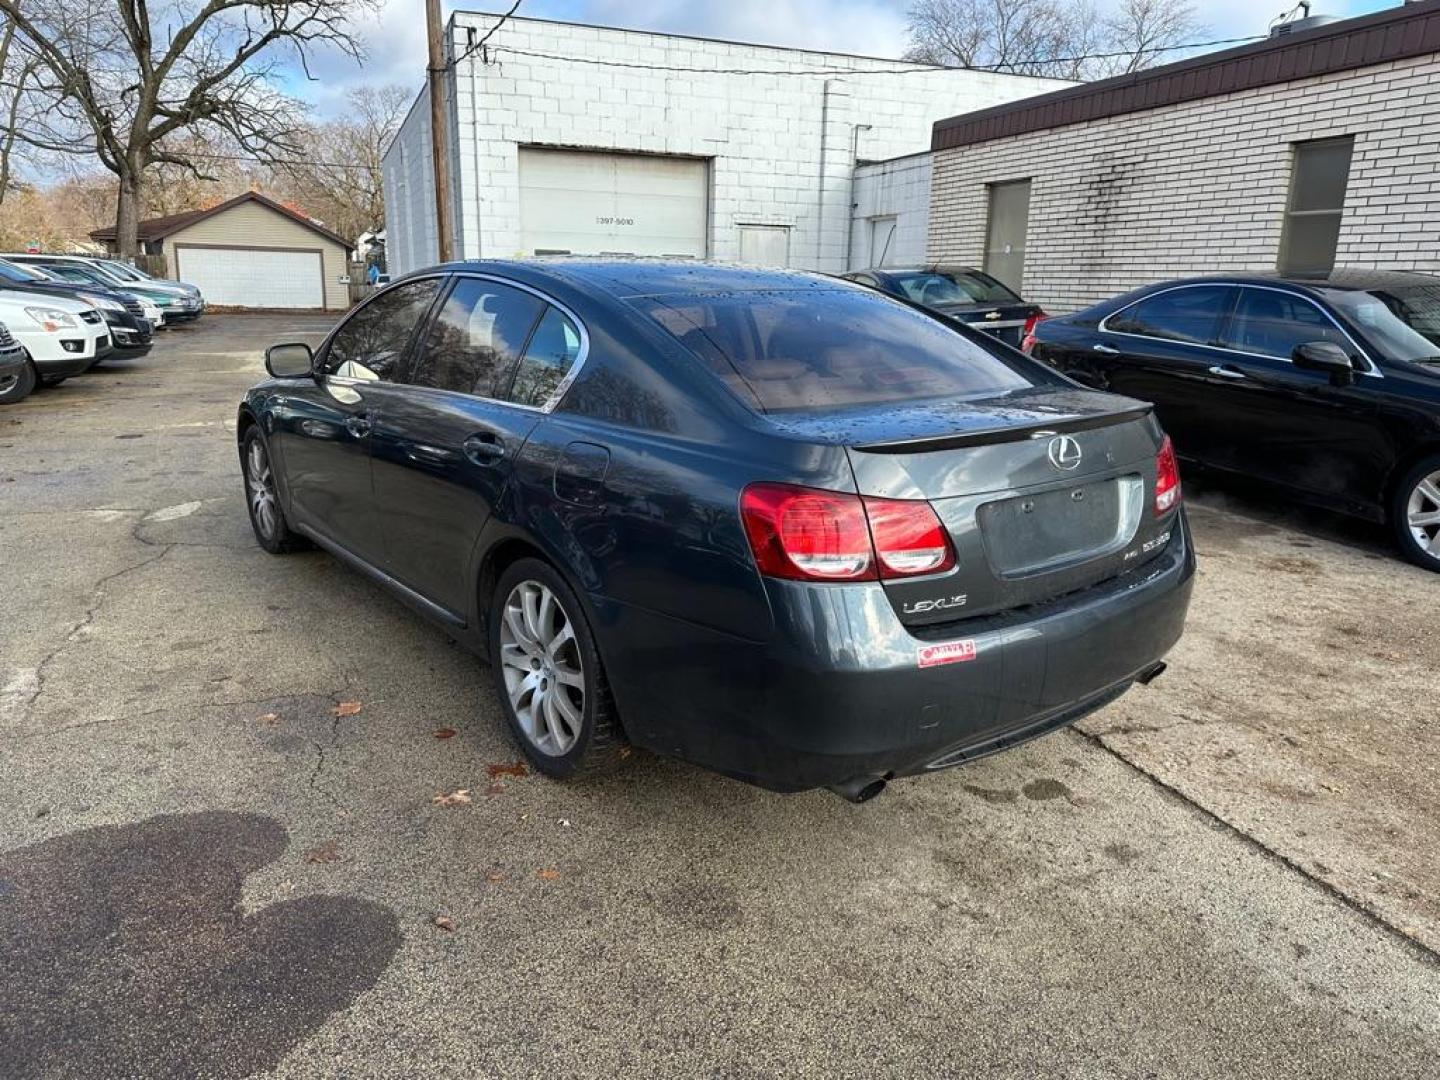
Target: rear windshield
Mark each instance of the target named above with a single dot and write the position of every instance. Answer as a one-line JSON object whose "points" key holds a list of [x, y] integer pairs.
{"points": [[942, 287], [1404, 323], [820, 349]]}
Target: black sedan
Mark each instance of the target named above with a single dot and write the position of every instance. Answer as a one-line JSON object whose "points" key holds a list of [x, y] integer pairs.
{"points": [[960, 293], [1327, 387], [129, 329], [776, 524]]}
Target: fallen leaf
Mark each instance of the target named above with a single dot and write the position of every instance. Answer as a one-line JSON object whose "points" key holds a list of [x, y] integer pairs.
{"points": [[455, 798], [270, 719], [444, 923], [327, 852], [495, 877], [494, 789], [346, 708], [508, 768], [565, 822], [547, 875], [445, 733]]}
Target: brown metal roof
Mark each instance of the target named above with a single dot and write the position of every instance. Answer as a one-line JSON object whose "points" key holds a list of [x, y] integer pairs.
{"points": [[161, 227], [1411, 30]]}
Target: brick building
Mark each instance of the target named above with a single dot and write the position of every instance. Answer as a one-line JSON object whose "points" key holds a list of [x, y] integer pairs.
{"points": [[584, 139], [1314, 147]]}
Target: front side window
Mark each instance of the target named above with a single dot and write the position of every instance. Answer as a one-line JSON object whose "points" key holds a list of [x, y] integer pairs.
{"points": [[1403, 323], [371, 344], [810, 349], [553, 350], [1190, 315], [1317, 200], [1272, 323], [476, 339]]}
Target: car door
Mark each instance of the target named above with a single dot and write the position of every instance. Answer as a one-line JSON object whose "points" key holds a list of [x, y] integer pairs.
{"points": [[1160, 349], [445, 444], [323, 429], [1292, 426]]}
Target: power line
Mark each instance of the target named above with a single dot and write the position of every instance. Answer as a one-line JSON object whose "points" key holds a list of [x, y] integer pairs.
{"points": [[276, 161], [909, 69], [477, 46]]}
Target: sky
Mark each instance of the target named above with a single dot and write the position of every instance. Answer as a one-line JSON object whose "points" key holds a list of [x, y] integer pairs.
{"points": [[395, 36]]}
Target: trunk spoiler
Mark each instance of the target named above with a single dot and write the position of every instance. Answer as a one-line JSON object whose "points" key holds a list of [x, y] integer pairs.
{"points": [[1015, 433]]}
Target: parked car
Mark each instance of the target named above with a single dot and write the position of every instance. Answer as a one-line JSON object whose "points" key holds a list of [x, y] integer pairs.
{"points": [[178, 303], [61, 336], [961, 293], [129, 329], [17, 377], [126, 272], [1327, 388], [773, 523]]}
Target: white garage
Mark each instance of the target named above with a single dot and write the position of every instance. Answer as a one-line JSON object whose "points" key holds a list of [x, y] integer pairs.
{"points": [[581, 202], [251, 252], [251, 277]]}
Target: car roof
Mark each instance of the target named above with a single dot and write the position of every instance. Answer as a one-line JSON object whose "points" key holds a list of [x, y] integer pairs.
{"points": [[1347, 278], [629, 278]]}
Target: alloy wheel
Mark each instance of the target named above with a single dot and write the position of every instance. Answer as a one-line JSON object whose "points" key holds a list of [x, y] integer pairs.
{"points": [[540, 661], [261, 480], [1423, 514]]}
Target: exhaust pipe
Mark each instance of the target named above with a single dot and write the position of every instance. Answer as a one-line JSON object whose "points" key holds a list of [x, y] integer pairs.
{"points": [[859, 789], [1151, 673]]}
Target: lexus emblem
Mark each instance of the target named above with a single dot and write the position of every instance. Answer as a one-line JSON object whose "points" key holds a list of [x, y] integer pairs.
{"points": [[1064, 452]]}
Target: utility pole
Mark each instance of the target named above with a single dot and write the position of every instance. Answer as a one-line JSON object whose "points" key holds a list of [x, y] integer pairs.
{"points": [[439, 132]]}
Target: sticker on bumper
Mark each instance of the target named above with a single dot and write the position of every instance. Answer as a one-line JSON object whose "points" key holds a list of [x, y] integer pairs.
{"points": [[946, 652]]}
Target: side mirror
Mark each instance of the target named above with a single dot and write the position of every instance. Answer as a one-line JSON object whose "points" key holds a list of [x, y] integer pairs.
{"points": [[1327, 358], [290, 361]]}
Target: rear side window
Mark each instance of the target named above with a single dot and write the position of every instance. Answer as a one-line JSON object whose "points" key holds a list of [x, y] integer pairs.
{"points": [[1190, 315], [551, 354], [1272, 323], [371, 343], [814, 349], [476, 339], [954, 287]]}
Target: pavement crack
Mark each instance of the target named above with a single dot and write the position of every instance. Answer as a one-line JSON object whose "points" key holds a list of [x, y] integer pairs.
{"points": [[1370, 914], [321, 750]]}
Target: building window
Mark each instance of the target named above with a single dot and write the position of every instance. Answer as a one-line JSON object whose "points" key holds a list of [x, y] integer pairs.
{"points": [[1317, 200], [765, 245], [1005, 235]]}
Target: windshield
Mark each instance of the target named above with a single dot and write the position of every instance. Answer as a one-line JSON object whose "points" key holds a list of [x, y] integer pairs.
{"points": [[122, 271], [74, 272], [941, 288], [12, 272], [1404, 322], [808, 349]]}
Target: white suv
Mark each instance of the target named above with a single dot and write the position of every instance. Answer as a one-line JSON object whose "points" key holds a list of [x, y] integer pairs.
{"points": [[61, 337]]}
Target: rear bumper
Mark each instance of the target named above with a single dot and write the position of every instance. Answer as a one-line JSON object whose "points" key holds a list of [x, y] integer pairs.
{"points": [[840, 692]]}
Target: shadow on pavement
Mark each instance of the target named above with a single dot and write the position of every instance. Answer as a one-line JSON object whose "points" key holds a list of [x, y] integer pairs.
{"points": [[124, 952]]}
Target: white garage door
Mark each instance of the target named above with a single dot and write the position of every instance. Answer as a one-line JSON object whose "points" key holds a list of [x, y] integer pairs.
{"points": [[254, 277], [590, 203]]}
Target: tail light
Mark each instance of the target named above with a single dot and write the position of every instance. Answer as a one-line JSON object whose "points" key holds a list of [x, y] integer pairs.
{"points": [[909, 538], [806, 534], [1027, 336], [1167, 478]]}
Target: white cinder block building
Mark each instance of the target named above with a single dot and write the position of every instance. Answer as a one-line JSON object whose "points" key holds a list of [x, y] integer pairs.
{"points": [[589, 140], [890, 220], [1316, 148]]}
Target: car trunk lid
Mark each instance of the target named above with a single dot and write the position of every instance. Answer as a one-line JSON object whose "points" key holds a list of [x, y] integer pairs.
{"points": [[1003, 321], [1042, 493]]}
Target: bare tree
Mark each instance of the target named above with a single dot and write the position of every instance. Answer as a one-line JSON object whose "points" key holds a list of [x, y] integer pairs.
{"points": [[1047, 37], [125, 85], [339, 179]]}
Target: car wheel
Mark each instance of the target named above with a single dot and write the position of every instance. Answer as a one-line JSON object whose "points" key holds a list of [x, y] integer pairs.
{"points": [[1415, 514], [16, 387], [262, 499], [549, 676]]}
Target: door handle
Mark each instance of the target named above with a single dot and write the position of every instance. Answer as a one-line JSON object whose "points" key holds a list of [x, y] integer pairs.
{"points": [[1106, 349], [1225, 371], [484, 449], [359, 425]]}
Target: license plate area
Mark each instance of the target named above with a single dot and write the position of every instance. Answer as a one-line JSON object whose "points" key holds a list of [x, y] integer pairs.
{"points": [[1040, 532]]}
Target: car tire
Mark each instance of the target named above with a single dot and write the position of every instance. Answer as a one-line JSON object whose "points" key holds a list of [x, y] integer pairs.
{"points": [[1415, 513], [549, 676], [21, 387], [262, 497]]}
